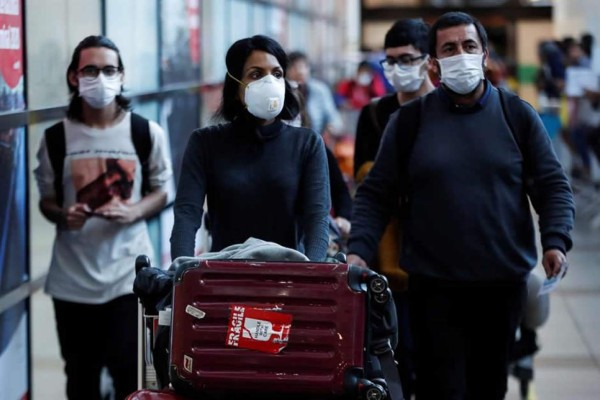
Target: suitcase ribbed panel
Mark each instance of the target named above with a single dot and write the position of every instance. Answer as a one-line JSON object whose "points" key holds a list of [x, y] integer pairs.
{"points": [[326, 337]]}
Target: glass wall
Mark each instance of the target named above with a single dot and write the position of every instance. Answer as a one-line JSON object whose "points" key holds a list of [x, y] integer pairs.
{"points": [[14, 268], [173, 52]]}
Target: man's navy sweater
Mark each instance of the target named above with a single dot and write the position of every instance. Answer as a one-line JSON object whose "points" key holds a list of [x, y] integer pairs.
{"points": [[267, 182], [468, 217]]}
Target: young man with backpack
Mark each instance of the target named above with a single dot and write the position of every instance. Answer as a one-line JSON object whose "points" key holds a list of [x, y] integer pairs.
{"points": [[102, 171], [406, 68], [459, 165]]}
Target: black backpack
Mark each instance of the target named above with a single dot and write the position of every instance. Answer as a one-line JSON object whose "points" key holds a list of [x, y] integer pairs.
{"points": [[55, 142]]}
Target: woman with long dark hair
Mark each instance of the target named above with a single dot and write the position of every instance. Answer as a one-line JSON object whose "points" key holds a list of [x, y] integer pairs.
{"points": [[262, 178]]}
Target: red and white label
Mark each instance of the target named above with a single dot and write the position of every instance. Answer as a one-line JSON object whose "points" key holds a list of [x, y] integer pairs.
{"points": [[258, 329]]}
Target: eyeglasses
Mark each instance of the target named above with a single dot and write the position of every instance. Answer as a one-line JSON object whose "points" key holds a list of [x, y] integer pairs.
{"points": [[402, 60], [91, 71]]}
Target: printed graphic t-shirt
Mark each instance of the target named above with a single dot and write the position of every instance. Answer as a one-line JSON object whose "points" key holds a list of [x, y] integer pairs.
{"points": [[95, 264]]}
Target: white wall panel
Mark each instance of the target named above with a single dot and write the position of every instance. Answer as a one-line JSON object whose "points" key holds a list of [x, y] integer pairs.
{"points": [[53, 29]]}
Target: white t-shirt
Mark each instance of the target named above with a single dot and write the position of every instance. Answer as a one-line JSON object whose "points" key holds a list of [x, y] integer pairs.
{"points": [[95, 264]]}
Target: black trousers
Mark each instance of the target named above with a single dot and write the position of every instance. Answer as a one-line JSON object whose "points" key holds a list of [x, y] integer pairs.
{"points": [[404, 352], [92, 336], [463, 335]]}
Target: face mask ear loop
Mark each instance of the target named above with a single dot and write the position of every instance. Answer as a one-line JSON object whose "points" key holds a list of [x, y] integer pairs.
{"points": [[236, 79], [241, 83], [439, 67]]}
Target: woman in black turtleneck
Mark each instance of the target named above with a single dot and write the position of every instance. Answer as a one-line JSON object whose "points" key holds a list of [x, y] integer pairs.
{"points": [[262, 178]]}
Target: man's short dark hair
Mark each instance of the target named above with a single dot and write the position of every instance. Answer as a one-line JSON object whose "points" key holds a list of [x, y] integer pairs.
{"points": [[451, 19], [407, 32]]}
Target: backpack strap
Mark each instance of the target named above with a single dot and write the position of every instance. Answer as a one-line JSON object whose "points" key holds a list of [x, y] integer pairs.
{"points": [[373, 114], [512, 109], [55, 144], [140, 135], [409, 120]]}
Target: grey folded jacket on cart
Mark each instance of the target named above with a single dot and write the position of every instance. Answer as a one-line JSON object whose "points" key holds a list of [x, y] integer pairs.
{"points": [[153, 285], [251, 249]]}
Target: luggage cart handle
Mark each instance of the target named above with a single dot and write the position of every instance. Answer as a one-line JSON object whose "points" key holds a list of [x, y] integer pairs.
{"points": [[142, 261]]}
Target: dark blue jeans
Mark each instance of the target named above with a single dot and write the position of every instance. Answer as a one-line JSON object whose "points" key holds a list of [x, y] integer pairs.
{"points": [[92, 336], [463, 335]]}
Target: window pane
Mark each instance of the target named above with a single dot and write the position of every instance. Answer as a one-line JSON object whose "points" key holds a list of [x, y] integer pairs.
{"points": [[132, 26], [215, 40]]}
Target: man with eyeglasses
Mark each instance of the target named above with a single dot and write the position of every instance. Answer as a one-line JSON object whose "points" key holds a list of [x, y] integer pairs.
{"points": [[406, 68], [461, 165], [102, 172]]}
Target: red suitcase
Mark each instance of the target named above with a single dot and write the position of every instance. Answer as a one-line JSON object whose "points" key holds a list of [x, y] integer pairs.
{"points": [[324, 353]]}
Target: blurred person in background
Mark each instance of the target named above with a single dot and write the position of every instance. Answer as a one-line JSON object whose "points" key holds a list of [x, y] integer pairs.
{"points": [[496, 71], [550, 83], [354, 93], [323, 116], [341, 200], [550, 79], [406, 68], [582, 113], [261, 178], [468, 240], [92, 186], [357, 92]]}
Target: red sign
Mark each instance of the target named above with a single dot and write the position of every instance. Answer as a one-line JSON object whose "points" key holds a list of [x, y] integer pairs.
{"points": [[11, 39], [258, 329], [193, 18]]}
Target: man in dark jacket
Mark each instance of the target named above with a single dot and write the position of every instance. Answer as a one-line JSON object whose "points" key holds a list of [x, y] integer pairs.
{"points": [[469, 242], [406, 68]]}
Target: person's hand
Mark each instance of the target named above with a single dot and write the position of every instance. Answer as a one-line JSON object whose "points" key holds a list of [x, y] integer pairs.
{"points": [[344, 225], [120, 212], [75, 216], [355, 259], [552, 261]]}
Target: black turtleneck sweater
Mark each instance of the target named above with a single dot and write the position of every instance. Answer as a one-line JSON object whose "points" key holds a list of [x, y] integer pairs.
{"points": [[268, 182]]}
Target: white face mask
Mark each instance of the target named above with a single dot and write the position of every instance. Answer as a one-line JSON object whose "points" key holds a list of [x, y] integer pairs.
{"points": [[406, 78], [100, 91], [364, 79], [461, 73], [265, 97]]}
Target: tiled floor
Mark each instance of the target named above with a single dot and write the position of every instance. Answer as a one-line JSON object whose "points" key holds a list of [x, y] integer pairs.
{"points": [[568, 365]]}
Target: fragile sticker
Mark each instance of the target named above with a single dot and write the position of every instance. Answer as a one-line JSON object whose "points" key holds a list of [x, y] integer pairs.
{"points": [[258, 328]]}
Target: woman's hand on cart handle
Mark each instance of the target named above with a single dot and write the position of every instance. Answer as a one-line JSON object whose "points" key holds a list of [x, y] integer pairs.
{"points": [[355, 259]]}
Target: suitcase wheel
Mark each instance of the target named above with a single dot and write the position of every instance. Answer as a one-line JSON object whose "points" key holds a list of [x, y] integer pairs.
{"points": [[372, 391], [382, 298], [378, 284]]}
